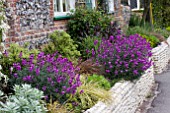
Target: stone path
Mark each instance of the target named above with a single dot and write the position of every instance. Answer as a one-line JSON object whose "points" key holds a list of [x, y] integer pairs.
{"points": [[161, 103]]}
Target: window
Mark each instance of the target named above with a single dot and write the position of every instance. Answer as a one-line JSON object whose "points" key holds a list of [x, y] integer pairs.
{"points": [[136, 4], [88, 3], [62, 7]]}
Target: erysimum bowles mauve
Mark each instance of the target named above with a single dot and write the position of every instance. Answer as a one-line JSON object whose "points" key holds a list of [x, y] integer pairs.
{"points": [[124, 57], [56, 77]]}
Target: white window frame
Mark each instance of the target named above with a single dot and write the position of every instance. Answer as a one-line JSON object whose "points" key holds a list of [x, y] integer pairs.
{"points": [[71, 4], [111, 6], [138, 6]]}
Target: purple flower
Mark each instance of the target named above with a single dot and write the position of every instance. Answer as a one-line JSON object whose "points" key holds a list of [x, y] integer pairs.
{"points": [[93, 52], [15, 75], [24, 62], [135, 72], [111, 38], [20, 54], [44, 88], [31, 68], [37, 71], [6, 53], [27, 78], [62, 92], [107, 71], [95, 42], [49, 79], [82, 91]]}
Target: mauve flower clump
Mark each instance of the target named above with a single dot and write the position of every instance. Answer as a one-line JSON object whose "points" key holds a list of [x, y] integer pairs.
{"points": [[56, 77], [124, 57]]}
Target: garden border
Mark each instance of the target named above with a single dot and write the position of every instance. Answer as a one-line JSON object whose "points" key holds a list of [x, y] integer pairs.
{"points": [[161, 56], [126, 95]]}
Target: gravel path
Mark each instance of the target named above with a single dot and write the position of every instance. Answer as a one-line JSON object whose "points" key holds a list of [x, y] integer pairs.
{"points": [[161, 103]]}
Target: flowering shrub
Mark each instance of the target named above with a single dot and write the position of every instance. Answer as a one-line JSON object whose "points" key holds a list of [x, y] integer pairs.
{"points": [[54, 76], [13, 54], [124, 57]]}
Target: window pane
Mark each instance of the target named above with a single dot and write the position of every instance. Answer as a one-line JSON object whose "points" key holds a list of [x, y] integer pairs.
{"points": [[133, 4], [58, 6], [66, 5]]}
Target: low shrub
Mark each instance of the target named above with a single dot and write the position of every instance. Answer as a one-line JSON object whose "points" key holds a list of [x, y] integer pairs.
{"points": [[13, 55], [62, 42], [135, 20], [87, 95], [124, 57], [25, 99], [101, 80], [163, 32], [56, 77], [137, 30], [87, 22], [154, 41]]}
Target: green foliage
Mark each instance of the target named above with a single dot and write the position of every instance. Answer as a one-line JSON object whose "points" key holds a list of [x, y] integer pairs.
{"points": [[101, 80], [168, 28], [87, 22], [88, 44], [154, 41], [25, 100], [62, 42], [163, 32], [161, 11], [13, 55], [138, 30], [134, 20], [87, 95]]}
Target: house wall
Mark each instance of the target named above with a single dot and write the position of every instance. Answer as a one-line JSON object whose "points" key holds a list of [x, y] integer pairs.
{"points": [[32, 20]]}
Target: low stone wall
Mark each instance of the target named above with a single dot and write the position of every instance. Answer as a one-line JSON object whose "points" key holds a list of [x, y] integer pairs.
{"points": [[126, 95], [161, 57]]}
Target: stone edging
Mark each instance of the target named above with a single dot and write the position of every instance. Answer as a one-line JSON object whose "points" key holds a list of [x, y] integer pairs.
{"points": [[161, 57], [126, 95]]}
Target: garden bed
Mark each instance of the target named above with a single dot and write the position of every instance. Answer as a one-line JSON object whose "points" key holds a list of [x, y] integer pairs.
{"points": [[126, 95], [161, 57]]}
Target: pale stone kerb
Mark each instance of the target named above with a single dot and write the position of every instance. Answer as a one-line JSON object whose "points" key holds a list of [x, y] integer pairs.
{"points": [[126, 95], [161, 57]]}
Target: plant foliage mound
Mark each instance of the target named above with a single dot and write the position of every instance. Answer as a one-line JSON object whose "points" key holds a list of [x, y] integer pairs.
{"points": [[62, 42], [25, 100]]}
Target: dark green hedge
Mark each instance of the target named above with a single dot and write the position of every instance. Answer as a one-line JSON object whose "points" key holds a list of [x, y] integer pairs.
{"points": [[161, 13]]}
